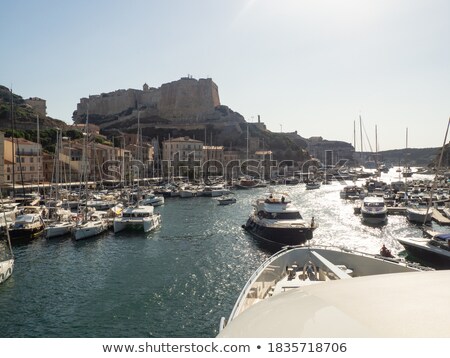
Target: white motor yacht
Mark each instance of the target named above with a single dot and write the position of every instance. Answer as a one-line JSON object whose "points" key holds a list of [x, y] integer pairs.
{"points": [[333, 292], [374, 210], [140, 217], [152, 199], [275, 220]]}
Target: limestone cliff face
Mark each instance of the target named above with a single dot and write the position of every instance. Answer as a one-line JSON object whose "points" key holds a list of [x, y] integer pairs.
{"points": [[185, 100]]}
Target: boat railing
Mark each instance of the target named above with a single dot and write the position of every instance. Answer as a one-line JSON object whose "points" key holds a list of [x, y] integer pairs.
{"points": [[336, 271]]}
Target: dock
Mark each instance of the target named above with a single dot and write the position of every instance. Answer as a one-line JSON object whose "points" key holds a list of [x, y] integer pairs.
{"points": [[440, 218], [396, 210]]}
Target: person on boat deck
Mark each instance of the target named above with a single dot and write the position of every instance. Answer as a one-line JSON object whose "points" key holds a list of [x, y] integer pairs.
{"points": [[282, 199], [385, 251]]}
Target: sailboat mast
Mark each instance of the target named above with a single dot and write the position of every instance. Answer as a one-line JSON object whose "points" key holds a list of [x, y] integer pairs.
{"points": [[247, 141], [360, 131], [12, 141], [406, 137], [39, 152], [376, 140], [430, 200]]}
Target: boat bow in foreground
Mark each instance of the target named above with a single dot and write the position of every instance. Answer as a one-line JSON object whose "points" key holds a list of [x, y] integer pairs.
{"points": [[331, 292]]}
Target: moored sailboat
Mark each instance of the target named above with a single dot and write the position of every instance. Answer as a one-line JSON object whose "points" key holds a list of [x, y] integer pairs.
{"points": [[6, 254]]}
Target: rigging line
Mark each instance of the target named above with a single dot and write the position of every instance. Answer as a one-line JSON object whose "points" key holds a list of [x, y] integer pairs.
{"points": [[367, 137], [437, 172]]}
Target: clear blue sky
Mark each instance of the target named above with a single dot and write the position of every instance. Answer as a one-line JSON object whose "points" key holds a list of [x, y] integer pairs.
{"points": [[313, 66]]}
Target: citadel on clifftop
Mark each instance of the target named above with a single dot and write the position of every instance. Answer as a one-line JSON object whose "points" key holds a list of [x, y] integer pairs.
{"points": [[191, 107], [185, 100]]}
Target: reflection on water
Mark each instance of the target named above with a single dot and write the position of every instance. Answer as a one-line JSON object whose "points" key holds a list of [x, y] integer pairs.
{"points": [[175, 282]]}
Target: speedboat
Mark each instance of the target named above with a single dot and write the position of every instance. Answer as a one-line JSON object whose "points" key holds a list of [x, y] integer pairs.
{"points": [[352, 192], [276, 220], [226, 200], [374, 210], [435, 247], [420, 214], [152, 199], [321, 291], [140, 217], [312, 185]]}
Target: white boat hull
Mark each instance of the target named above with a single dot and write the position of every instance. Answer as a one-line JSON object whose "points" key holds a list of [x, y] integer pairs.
{"points": [[373, 217], [146, 224], [187, 194], [6, 269], [421, 245], [89, 229], [419, 216], [59, 229]]}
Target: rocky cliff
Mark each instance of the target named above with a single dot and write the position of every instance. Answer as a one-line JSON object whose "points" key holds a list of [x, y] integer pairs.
{"points": [[24, 115]]}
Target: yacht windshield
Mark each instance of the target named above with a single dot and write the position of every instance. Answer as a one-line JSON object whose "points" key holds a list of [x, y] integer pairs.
{"points": [[284, 216]]}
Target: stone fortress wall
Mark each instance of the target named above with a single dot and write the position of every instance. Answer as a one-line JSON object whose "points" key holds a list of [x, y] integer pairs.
{"points": [[187, 98]]}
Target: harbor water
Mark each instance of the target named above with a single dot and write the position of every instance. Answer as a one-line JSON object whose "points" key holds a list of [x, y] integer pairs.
{"points": [[175, 282]]}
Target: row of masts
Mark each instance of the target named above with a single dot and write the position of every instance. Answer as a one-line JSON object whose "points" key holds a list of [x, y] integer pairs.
{"points": [[376, 140]]}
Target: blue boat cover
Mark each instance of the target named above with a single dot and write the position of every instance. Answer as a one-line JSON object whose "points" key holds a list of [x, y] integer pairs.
{"points": [[443, 236]]}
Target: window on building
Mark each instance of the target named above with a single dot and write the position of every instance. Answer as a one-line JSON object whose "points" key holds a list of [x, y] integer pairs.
{"points": [[31, 160]]}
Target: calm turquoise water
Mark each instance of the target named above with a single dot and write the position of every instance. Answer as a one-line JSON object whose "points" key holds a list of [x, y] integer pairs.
{"points": [[175, 282]]}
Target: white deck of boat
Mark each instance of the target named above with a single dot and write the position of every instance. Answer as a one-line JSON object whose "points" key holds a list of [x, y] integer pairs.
{"points": [[407, 305]]}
